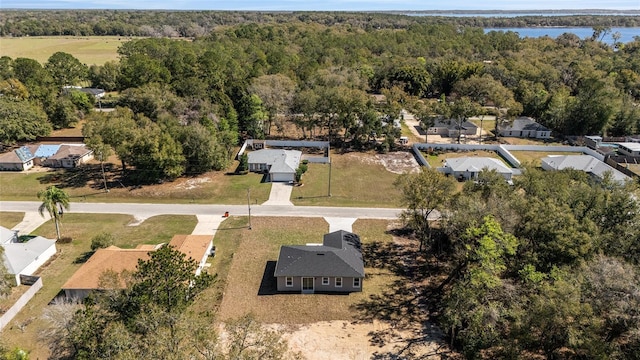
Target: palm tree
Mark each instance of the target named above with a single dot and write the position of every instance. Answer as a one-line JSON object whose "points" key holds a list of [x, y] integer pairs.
{"points": [[54, 201]]}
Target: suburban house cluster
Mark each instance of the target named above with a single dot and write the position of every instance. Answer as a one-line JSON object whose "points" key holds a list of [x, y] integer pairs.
{"points": [[89, 277], [54, 156], [335, 265], [23, 255]]}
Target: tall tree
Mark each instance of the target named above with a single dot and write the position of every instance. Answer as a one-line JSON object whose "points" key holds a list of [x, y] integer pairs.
{"points": [[54, 202], [65, 69], [424, 195]]}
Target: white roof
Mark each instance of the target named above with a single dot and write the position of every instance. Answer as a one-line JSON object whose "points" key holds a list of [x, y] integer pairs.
{"points": [[17, 256], [475, 164], [281, 161], [6, 235], [630, 145], [586, 163]]}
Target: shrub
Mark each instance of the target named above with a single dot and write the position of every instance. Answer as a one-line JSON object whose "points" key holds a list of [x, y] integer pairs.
{"points": [[65, 240], [101, 241]]}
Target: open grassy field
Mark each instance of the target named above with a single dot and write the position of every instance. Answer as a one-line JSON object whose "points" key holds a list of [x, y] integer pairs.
{"points": [[85, 184], [24, 329], [533, 157], [356, 180], [89, 50], [488, 124], [10, 219], [250, 286]]}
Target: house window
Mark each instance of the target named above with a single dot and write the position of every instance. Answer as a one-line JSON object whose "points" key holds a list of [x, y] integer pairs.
{"points": [[356, 282], [288, 281], [325, 281], [338, 282]]}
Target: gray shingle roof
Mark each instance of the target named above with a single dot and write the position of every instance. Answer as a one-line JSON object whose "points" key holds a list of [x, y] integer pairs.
{"points": [[453, 124], [17, 256], [524, 124], [280, 161], [340, 255], [475, 164], [586, 163]]}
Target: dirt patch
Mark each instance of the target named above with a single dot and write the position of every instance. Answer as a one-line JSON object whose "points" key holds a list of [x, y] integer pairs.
{"points": [[188, 184], [350, 340], [396, 162]]}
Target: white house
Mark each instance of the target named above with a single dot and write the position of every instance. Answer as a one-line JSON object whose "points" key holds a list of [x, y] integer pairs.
{"points": [[468, 168], [280, 164], [629, 149], [586, 163], [525, 127], [17, 160], [24, 258]]}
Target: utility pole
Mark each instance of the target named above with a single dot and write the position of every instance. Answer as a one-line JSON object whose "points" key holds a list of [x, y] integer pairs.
{"points": [[329, 190], [104, 178], [481, 120], [249, 206]]}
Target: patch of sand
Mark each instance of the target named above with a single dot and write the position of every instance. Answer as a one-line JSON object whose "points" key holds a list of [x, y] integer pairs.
{"points": [[189, 184], [396, 162], [344, 340]]}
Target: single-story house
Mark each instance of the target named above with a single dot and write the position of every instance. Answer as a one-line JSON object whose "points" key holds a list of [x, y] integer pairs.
{"points": [[524, 127], [280, 164], [468, 168], [69, 156], [586, 163], [196, 247], [88, 277], [336, 265], [24, 258], [95, 92], [452, 128], [629, 149], [42, 152], [19, 159]]}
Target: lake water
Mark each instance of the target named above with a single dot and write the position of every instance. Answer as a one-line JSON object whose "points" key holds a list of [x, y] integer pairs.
{"points": [[626, 33]]}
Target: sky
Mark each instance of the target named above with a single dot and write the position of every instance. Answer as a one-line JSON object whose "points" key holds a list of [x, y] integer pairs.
{"points": [[326, 5]]}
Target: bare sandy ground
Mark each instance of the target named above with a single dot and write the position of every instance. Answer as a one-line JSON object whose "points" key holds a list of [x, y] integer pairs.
{"points": [[344, 340]]}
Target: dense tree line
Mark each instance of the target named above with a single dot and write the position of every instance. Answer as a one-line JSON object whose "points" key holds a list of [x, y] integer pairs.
{"points": [[252, 79], [547, 267], [197, 23]]}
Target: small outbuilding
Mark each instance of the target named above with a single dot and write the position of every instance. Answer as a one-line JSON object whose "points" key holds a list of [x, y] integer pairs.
{"points": [[336, 265]]}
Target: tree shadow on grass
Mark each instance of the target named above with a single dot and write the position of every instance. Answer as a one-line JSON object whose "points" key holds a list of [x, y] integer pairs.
{"points": [[78, 177], [268, 284], [82, 258], [403, 305]]}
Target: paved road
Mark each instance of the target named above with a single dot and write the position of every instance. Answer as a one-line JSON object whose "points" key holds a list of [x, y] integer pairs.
{"points": [[148, 210]]}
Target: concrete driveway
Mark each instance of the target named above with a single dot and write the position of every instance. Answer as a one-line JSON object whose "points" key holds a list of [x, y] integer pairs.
{"points": [[280, 194]]}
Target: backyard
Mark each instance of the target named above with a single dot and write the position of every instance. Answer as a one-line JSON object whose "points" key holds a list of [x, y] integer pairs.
{"points": [[436, 159]]}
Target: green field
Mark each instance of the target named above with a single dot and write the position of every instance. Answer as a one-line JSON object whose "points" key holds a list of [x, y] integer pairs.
{"points": [[88, 49], [10, 219]]}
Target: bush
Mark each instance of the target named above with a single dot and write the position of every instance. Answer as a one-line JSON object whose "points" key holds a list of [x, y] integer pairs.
{"points": [[101, 241], [65, 240], [243, 167]]}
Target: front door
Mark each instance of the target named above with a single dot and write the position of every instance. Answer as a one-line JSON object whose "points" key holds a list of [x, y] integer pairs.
{"points": [[307, 285]]}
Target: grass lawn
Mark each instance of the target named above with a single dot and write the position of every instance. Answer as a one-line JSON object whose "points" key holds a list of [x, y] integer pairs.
{"points": [[250, 284], [533, 157], [356, 180], [412, 137], [488, 124], [88, 49], [85, 184], [10, 219], [24, 329], [635, 168]]}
